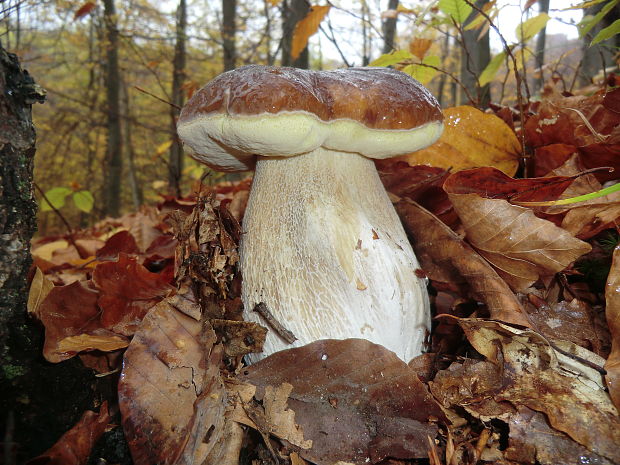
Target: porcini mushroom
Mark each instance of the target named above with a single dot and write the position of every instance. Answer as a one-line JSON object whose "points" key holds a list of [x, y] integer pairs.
{"points": [[322, 246]]}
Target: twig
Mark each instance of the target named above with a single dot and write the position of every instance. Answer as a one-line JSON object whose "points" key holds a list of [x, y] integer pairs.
{"points": [[157, 98], [284, 333], [453, 77], [62, 218]]}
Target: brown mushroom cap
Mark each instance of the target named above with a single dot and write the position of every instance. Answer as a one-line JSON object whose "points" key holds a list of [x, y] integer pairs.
{"points": [[379, 100]]}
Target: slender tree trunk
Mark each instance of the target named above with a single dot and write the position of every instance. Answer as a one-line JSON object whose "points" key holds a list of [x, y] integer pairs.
{"points": [[175, 163], [229, 31], [475, 56], [293, 11], [114, 155], [137, 197], [270, 57], [389, 29], [539, 79], [443, 77], [366, 43]]}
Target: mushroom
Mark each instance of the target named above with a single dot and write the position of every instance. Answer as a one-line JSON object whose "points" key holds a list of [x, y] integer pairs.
{"points": [[322, 246]]}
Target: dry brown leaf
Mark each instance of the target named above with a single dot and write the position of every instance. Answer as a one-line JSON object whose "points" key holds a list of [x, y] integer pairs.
{"points": [[307, 27], [355, 400], [570, 393], [532, 440], [521, 246], [612, 312], [471, 139], [445, 257], [39, 289], [74, 447], [281, 418], [170, 392], [419, 47]]}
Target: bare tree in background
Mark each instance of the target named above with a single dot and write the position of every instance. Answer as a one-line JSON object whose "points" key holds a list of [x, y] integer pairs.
{"points": [[175, 162], [539, 79], [229, 31], [114, 154], [293, 11], [475, 56], [389, 28]]}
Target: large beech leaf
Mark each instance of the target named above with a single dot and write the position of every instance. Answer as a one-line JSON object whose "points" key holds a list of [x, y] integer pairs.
{"points": [[355, 400], [71, 318], [307, 27], [471, 138], [533, 374], [521, 246], [612, 312], [445, 257], [170, 393], [127, 292], [74, 447]]}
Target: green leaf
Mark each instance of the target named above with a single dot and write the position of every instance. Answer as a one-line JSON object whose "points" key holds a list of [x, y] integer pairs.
{"points": [[492, 68], [56, 197], [423, 73], [589, 21], [607, 33], [459, 10], [583, 5], [525, 31], [84, 200], [392, 58]]}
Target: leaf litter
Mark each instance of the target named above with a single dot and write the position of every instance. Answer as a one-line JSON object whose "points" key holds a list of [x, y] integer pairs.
{"points": [[523, 367]]}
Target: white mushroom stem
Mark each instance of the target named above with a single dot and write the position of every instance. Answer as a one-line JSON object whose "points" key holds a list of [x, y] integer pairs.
{"points": [[324, 249]]}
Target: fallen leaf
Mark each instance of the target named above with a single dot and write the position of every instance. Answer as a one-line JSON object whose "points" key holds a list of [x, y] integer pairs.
{"points": [[39, 289], [127, 292], [281, 418], [170, 391], [612, 312], [445, 257], [570, 393], [122, 241], [71, 318], [533, 440], [74, 447], [521, 246], [307, 27], [471, 138], [355, 400]]}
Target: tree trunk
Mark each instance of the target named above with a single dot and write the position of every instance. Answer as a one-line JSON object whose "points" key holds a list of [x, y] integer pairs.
{"points": [[38, 401], [293, 11], [114, 156], [389, 29], [175, 164], [137, 196], [539, 79], [229, 31], [475, 56], [599, 56]]}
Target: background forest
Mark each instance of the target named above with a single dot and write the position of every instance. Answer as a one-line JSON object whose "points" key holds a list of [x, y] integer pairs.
{"points": [[117, 72]]}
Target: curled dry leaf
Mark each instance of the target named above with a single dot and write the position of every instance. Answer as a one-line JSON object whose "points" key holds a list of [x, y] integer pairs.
{"points": [[74, 447], [445, 257], [127, 292], [170, 392], [612, 312], [471, 139], [521, 246], [71, 318], [39, 289], [355, 400], [569, 392]]}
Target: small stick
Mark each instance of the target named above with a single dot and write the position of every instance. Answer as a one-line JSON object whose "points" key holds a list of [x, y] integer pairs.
{"points": [[262, 310]]}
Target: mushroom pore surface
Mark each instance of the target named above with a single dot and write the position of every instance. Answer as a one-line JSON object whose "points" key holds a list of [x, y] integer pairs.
{"points": [[322, 246]]}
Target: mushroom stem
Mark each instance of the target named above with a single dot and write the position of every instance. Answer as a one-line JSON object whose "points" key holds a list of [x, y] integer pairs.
{"points": [[324, 249]]}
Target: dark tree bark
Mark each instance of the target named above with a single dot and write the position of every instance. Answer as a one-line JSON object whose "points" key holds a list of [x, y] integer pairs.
{"points": [[114, 154], [175, 163], [229, 31], [389, 29], [293, 11], [601, 55], [476, 55], [38, 401], [543, 7]]}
